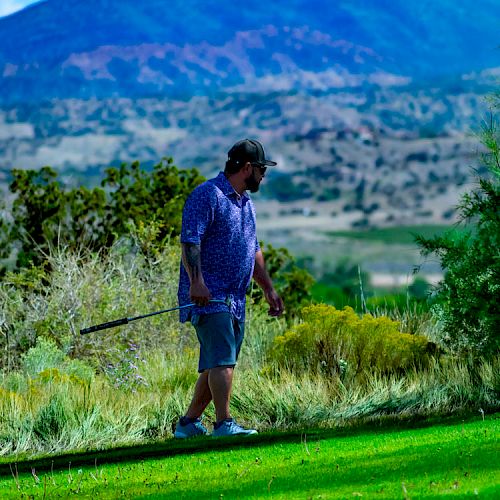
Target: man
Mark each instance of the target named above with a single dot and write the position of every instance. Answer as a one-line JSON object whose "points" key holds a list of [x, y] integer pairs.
{"points": [[220, 254]]}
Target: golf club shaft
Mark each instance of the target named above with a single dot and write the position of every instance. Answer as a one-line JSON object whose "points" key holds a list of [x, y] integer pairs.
{"points": [[124, 321]]}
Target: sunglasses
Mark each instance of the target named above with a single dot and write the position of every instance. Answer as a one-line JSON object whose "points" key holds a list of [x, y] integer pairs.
{"points": [[262, 168]]}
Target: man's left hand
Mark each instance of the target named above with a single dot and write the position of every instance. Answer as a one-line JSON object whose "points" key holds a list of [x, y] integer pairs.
{"points": [[274, 300]]}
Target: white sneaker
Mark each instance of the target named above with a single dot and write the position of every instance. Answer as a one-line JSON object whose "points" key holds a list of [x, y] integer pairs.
{"points": [[230, 428], [193, 429]]}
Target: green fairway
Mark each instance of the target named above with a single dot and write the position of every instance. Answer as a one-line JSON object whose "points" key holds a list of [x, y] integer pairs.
{"points": [[459, 458], [398, 234]]}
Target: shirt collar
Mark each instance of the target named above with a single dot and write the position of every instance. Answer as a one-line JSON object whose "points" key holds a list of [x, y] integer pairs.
{"points": [[223, 183]]}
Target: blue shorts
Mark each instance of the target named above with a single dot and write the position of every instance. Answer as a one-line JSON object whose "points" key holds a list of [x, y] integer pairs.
{"points": [[220, 336]]}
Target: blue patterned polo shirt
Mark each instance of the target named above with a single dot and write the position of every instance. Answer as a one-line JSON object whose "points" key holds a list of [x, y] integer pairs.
{"points": [[222, 222]]}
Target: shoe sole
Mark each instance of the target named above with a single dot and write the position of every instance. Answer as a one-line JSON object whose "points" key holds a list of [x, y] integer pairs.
{"points": [[235, 435], [181, 435]]}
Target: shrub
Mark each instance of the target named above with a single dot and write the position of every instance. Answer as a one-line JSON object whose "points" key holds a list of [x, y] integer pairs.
{"points": [[467, 298], [292, 282], [82, 290], [47, 362], [45, 354], [45, 212], [333, 341]]}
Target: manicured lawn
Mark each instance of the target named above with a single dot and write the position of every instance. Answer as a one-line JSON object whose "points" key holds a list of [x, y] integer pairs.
{"points": [[459, 458]]}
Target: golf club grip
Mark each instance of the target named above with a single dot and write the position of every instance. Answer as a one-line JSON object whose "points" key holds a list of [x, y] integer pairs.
{"points": [[103, 326]]}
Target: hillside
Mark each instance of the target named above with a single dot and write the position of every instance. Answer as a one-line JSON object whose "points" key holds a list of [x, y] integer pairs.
{"points": [[95, 48], [360, 154], [368, 107]]}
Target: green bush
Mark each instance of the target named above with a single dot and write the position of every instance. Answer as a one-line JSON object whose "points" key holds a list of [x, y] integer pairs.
{"points": [[333, 341], [420, 289], [45, 354], [45, 214], [46, 361], [292, 282], [467, 299], [282, 188]]}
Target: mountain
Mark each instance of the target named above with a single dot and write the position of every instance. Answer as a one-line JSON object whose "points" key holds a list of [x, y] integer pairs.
{"points": [[124, 48], [366, 106]]}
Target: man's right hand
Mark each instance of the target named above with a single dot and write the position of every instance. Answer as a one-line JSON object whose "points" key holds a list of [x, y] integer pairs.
{"points": [[199, 293]]}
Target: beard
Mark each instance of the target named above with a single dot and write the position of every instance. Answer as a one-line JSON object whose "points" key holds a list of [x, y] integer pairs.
{"points": [[252, 184]]}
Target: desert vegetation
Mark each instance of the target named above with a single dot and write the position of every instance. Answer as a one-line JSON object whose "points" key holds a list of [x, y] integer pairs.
{"points": [[63, 391], [74, 258]]}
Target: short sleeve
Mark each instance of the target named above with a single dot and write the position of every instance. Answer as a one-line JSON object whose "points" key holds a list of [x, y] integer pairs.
{"points": [[197, 215], [257, 246]]}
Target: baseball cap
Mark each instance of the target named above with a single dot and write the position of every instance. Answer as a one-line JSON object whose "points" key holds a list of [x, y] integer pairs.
{"points": [[249, 150]]}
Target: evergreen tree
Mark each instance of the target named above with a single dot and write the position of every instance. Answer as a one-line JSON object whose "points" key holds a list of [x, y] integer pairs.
{"points": [[468, 298]]}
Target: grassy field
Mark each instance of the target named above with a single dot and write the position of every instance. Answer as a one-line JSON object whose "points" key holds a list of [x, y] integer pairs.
{"points": [[386, 251], [456, 457], [395, 235]]}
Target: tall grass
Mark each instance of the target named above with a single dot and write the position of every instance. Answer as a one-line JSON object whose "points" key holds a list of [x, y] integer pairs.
{"points": [[52, 413], [84, 289], [61, 391]]}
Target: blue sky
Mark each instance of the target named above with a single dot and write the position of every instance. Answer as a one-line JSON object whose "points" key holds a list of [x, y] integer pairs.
{"points": [[10, 6]]}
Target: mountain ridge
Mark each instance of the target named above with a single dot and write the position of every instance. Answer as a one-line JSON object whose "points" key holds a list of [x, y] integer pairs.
{"points": [[53, 49]]}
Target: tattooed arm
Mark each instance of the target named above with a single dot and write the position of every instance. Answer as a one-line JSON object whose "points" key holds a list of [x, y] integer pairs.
{"points": [[191, 258]]}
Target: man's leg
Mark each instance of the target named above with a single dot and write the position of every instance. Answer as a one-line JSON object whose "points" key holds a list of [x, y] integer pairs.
{"points": [[220, 381], [215, 383], [220, 337], [202, 396]]}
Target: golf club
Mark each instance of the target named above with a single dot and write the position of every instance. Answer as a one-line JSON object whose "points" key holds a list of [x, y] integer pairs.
{"points": [[124, 321]]}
